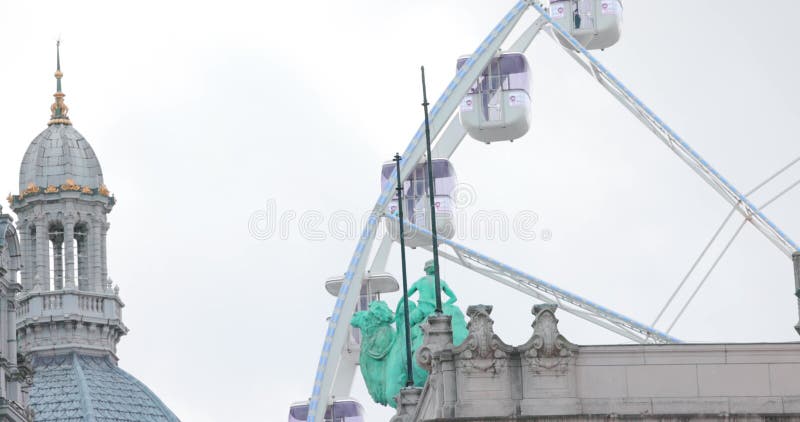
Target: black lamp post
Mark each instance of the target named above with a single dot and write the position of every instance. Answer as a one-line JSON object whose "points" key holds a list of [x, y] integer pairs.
{"points": [[431, 192], [410, 370]]}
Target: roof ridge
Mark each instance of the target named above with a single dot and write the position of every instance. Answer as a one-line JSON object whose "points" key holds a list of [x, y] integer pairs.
{"points": [[86, 401]]}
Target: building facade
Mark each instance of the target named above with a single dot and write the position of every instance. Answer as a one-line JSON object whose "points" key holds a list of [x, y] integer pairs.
{"points": [[15, 375], [550, 379]]}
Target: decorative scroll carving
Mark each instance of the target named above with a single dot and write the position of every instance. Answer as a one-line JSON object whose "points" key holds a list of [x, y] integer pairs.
{"points": [[547, 349], [482, 350]]}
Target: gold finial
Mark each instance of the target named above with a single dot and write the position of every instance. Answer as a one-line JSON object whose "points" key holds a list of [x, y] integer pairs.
{"points": [[59, 110]]}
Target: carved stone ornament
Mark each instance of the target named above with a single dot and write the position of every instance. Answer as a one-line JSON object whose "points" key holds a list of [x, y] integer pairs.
{"points": [[547, 348], [438, 335], [482, 350]]}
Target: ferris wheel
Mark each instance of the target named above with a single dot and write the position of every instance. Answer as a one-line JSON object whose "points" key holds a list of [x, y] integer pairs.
{"points": [[490, 93]]}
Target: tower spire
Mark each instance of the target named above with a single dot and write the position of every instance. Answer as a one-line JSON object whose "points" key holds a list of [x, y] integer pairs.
{"points": [[59, 110]]}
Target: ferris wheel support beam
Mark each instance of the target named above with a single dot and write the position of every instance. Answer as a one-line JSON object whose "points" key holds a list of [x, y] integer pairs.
{"points": [[673, 141], [336, 335], [544, 291]]}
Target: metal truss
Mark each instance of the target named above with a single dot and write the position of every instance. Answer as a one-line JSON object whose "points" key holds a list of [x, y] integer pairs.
{"points": [[544, 291]]}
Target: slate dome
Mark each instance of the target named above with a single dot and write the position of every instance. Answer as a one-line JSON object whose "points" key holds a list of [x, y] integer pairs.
{"points": [[79, 387], [59, 154]]}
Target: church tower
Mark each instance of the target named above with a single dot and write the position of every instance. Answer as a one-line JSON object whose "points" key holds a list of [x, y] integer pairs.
{"points": [[69, 316]]}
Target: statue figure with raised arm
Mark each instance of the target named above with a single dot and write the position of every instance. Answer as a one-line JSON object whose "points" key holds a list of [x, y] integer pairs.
{"points": [[426, 287]]}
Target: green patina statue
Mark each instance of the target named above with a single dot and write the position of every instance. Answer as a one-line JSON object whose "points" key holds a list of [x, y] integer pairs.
{"points": [[383, 355]]}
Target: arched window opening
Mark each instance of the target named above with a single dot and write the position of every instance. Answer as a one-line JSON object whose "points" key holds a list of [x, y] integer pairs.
{"points": [[13, 255], [31, 253]]}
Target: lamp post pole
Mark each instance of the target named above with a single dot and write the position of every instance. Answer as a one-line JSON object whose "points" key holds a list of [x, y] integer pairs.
{"points": [[431, 193], [409, 370]]}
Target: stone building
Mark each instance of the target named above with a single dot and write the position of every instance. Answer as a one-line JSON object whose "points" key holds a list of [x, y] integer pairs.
{"points": [[550, 379], [69, 316], [14, 373]]}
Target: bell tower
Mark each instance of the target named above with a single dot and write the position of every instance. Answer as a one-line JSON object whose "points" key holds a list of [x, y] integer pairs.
{"points": [[67, 303]]}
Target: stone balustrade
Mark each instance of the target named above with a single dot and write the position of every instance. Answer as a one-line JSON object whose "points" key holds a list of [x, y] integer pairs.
{"points": [[69, 319], [68, 302]]}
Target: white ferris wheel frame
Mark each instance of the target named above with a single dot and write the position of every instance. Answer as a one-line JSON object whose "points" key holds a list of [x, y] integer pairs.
{"points": [[333, 350]]}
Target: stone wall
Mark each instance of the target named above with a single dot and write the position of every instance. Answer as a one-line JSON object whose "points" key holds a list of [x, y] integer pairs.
{"points": [[549, 378]]}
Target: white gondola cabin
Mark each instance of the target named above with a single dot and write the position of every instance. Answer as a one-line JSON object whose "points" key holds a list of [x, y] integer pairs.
{"points": [[372, 286], [340, 410], [596, 24], [498, 105], [416, 202]]}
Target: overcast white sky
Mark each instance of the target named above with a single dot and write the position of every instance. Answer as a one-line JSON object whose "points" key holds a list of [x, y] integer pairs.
{"points": [[201, 113]]}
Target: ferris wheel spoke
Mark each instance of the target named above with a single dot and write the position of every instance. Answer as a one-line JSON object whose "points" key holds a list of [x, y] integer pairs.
{"points": [[705, 277], [542, 290], [669, 137]]}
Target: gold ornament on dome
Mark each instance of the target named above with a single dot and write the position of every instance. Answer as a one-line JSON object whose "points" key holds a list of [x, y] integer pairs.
{"points": [[51, 189], [86, 190], [31, 189], [70, 185], [59, 112], [10, 199], [103, 190]]}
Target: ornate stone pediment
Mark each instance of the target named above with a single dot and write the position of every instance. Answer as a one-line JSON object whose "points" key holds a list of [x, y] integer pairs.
{"points": [[547, 348], [482, 350]]}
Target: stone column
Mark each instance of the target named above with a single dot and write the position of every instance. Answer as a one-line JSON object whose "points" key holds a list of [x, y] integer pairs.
{"points": [[27, 263], [407, 401], [42, 254], [104, 256], [83, 262], [13, 393], [94, 255], [438, 336], [436, 356], [58, 264], [69, 254], [4, 333]]}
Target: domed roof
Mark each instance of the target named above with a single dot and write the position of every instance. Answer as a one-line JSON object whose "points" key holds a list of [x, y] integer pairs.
{"points": [[59, 154], [74, 387]]}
